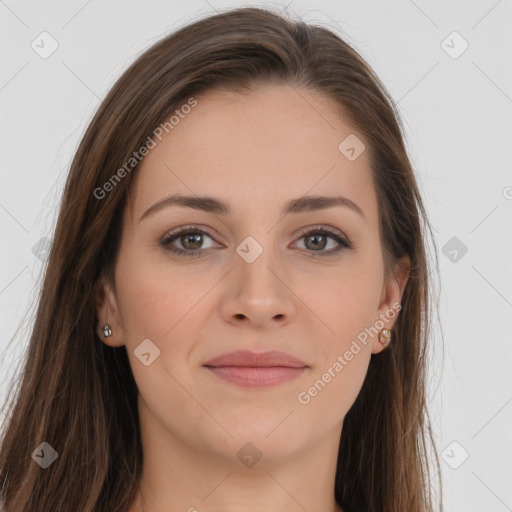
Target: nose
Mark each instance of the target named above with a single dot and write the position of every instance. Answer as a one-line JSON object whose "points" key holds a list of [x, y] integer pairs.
{"points": [[258, 293]]}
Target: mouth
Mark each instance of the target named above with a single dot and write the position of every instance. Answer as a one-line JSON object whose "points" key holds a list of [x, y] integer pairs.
{"points": [[251, 369]]}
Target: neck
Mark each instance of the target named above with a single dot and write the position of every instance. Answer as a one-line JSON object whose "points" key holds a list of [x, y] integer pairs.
{"points": [[201, 478]]}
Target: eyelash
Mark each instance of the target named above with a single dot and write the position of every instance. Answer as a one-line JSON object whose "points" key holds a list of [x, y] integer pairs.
{"points": [[321, 230]]}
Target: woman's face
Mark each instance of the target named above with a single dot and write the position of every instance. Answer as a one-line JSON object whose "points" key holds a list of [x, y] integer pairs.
{"points": [[264, 276]]}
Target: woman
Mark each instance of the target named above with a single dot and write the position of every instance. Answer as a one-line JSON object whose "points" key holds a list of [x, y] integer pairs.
{"points": [[235, 312]]}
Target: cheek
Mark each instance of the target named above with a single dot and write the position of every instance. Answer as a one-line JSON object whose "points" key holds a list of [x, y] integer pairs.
{"points": [[154, 298], [346, 305], [161, 303], [332, 390], [346, 300]]}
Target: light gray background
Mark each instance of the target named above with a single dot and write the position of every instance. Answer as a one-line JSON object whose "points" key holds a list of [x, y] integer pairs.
{"points": [[457, 111]]}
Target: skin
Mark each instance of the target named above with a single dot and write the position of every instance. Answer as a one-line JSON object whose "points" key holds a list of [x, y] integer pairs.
{"points": [[255, 152]]}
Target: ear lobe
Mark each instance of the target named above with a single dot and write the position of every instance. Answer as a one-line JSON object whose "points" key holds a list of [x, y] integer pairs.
{"points": [[391, 299], [105, 313]]}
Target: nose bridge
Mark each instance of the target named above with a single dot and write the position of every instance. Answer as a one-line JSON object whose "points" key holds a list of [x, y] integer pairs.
{"points": [[256, 290], [257, 263]]}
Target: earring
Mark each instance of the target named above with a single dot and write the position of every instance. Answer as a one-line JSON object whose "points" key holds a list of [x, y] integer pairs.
{"points": [[107, 330], [385, 337]]}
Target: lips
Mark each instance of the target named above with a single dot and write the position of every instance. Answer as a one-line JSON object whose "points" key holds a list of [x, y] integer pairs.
{"points": [[251, 370], [246, 358]]}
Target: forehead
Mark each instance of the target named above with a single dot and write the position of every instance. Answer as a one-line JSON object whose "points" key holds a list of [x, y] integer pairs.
{"points": [[270, 145]]}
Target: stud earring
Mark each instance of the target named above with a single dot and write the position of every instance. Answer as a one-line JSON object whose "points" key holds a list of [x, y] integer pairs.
{"points": [[385, 337], [107, 330]]}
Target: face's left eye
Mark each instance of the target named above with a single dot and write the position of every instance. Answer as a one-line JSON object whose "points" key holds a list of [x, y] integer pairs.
{"points": [[317, 239]]}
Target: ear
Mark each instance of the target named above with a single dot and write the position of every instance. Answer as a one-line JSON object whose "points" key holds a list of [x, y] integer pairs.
{"points": [[391, 298], [107, 313]]}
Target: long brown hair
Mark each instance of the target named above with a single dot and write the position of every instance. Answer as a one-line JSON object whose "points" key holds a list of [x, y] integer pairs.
{"points": [[78, 395]]}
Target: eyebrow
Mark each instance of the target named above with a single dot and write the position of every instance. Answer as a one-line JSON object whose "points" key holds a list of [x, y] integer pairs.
{"points": [[217, 206]]}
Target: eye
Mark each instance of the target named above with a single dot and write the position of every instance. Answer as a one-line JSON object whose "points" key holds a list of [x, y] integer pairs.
{"points": [[317, 240], [191, 239]]}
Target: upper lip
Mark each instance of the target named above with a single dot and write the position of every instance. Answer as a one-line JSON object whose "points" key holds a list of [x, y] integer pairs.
{"points": [[256, 359]]}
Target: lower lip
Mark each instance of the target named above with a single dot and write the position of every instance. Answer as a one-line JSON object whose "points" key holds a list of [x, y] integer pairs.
{"points": [[251, 377]]}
